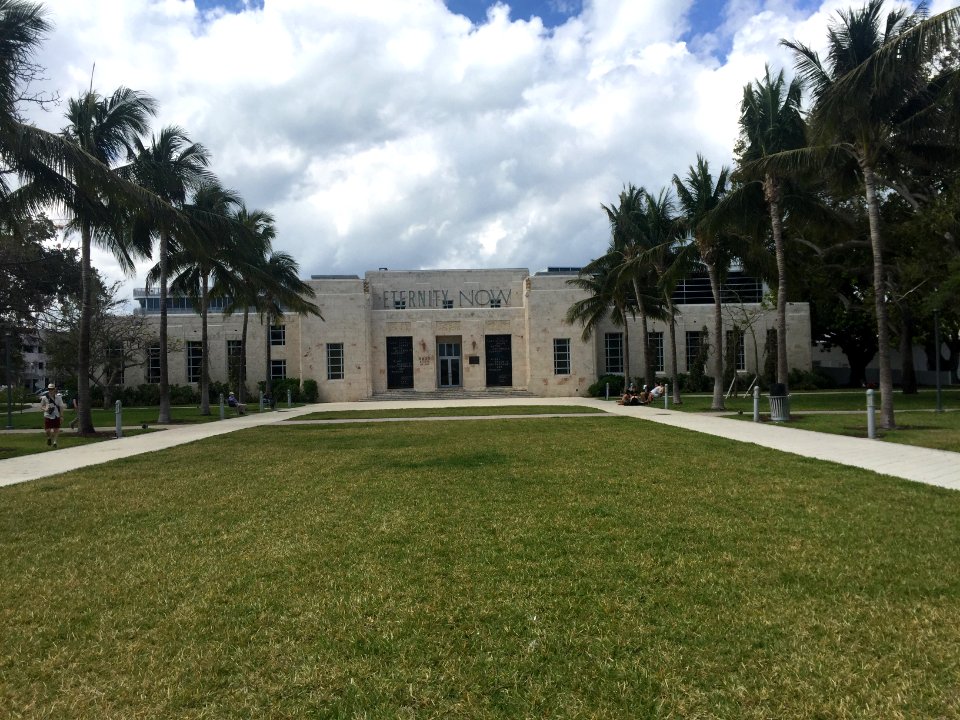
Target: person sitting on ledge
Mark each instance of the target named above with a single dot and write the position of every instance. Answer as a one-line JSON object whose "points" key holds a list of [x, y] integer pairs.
{"points": [[234, 403], [657, 391]]}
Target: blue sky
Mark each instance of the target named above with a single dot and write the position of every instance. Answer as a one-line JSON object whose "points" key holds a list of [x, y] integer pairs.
{"points": [[705, 18], [390, 133]]}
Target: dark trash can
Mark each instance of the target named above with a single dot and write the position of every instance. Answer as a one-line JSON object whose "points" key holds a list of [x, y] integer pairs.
{"points": [[779, 403]]}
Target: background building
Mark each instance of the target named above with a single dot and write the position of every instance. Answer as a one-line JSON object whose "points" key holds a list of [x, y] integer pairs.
{"points": [[457, 330]]}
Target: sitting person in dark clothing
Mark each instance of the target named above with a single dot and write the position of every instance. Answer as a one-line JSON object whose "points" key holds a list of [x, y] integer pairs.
{"points": [[234, 403]]}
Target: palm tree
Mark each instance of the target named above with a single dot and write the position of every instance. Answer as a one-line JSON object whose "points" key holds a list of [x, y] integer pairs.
{"points": [[606, 297], [256, 230], [209, 255], [871, 96], [281, 290], [771, 122], [169, 167], [105, 128], [628, 245], [699, 196], [662, 229]]}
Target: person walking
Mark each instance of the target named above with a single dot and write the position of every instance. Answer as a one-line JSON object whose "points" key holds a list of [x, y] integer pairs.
{"points": [[52, 406]]}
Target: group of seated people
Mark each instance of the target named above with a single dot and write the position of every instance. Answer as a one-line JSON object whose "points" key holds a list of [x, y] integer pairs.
{"points": [[644, 397]]}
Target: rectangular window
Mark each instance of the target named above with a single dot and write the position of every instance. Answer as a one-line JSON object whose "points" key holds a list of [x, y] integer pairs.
{"points": [[194, 361], [613, 353], [448, 304], [278, 335], [561, 356], [399, 304], [234, 361], [278, 369], [494, 302], [153, 364], [334, 361], [655, 343], [740, 359], [694, 340]]}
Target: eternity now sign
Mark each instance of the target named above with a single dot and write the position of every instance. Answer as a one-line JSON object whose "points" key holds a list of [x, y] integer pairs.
{"points": [[414, 299]]}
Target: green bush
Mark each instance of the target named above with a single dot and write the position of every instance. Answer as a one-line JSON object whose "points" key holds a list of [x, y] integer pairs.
{"points": [[697, 380], [146, 394], [805, 380], [183, 395], [280, 389], [599, 388], [310, 390]]}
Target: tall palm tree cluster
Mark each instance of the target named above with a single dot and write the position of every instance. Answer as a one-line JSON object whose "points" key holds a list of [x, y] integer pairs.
{"points": [[140, 196], [878, 132]]}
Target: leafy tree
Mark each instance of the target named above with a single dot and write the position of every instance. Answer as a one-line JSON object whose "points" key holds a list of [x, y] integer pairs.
{"points": [[872, 101], [770, 122], [33, 275], [105, 128], [208, 255], [666, 256], [699, 196], [281, 291], [119, 340], [170, 167], [629, 243], [606, 298], [256, 230]]}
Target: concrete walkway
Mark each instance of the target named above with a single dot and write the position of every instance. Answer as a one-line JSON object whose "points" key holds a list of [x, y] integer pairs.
{"points": [[933, 467]]}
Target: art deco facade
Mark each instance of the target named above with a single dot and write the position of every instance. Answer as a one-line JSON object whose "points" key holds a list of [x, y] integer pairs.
{"points": [[469, 330]]}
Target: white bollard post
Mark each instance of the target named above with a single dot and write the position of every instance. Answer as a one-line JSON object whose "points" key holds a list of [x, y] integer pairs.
{"points": [[289, 398], [261, 401], [223, 412], [666, 396], [871, 418], [118, 413], [756, 403], [608, 391]]}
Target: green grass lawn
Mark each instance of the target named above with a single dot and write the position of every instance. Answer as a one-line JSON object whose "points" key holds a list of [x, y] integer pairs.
{"points": [[464, 570], [921, 428], [449, 412], [926, 399], [16, 444], [29, 420]]}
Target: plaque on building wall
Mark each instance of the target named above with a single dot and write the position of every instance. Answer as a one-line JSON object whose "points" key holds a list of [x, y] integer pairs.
{"points": [[499, 360], [399, 363], [495, 327]]}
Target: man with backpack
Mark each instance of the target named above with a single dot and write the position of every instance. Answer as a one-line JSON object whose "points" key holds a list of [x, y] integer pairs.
{"points": [[52, 406]]}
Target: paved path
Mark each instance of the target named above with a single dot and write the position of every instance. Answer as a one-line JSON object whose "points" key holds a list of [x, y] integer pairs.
{"points": [[934, 467]]}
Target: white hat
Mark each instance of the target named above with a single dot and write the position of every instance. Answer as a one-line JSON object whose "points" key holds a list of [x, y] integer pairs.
{"points": [[52, 386]]}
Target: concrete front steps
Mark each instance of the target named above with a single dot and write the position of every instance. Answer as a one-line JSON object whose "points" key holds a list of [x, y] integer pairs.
{"points": [[451, 394]]}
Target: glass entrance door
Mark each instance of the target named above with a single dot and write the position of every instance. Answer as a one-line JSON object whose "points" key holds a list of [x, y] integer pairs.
{"points": [[448, 361]]}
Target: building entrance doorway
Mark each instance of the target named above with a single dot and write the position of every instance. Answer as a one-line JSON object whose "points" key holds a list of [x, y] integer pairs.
{"points": [[448, 362], [499, 360], [399, 363]]}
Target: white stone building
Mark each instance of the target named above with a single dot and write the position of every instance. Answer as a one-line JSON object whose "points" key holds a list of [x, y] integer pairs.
{"points": [[468, 330]]}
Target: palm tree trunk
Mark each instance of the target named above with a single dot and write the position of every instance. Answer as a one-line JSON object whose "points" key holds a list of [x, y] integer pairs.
{"points": [[164, 416], [718, 339], [644, 339], [626, 349], [242, 390], [268, 381], [771, 190], [205, 356], [673, 350], [83, 353], [883, 333]]}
